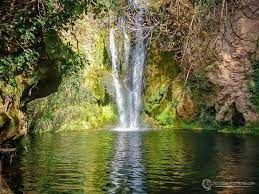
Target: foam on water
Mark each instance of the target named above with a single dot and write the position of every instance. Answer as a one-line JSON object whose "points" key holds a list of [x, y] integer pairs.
{"points": [[121, 129]]}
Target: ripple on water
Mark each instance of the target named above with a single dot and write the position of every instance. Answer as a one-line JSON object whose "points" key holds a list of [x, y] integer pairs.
{"points": [[153, 161]]}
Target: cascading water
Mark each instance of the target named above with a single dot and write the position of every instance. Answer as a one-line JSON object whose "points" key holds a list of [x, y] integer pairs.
{"points": [[129, 91], [117, 83]]}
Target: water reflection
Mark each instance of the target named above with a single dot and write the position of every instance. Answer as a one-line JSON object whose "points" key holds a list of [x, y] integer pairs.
{"points": [[58, 163], [236, 161], [127, 171], [155, 161]]}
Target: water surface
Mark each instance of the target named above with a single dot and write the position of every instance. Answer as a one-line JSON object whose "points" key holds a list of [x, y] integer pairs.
{"points": [[154, 161]]}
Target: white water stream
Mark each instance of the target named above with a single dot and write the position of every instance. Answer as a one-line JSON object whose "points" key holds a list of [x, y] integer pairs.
{"points": [[129, 91]]}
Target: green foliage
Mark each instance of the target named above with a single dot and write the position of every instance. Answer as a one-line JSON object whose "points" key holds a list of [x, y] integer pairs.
{"points": [[14, 65], [207, 4], [29, 37], [72, 107], [61, 55], [254, 84], [81, 100], [207, 118], [166, 117], [160, 73], [33, 26], [32, 56], [154, 100], [62, 12], [18, 46]]}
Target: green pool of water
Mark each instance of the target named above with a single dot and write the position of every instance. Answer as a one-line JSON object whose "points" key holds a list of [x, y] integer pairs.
{"points": [[154, 161]]}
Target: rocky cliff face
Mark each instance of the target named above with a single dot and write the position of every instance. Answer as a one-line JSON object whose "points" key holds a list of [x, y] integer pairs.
{"points": [[233, 72], [12, 119], [218, 90]]}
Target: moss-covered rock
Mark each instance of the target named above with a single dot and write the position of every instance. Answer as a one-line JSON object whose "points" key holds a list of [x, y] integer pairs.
{"points": [[166, 99], [12, 120], [4, 121]]}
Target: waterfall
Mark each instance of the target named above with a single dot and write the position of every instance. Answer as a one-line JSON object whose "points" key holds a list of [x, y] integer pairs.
{"points": [[138, 61], [117, 83], [129, 91]]}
